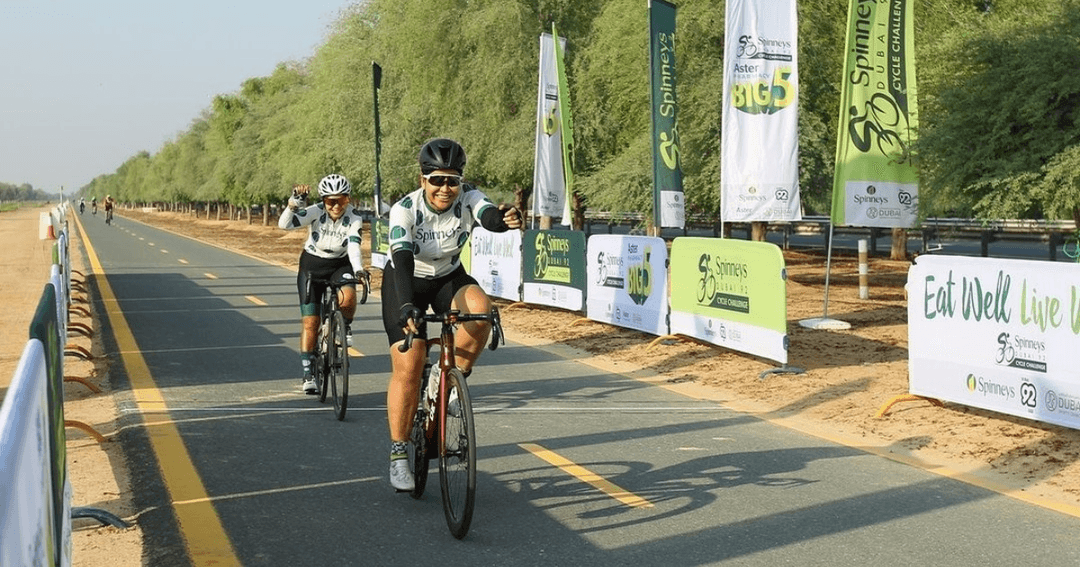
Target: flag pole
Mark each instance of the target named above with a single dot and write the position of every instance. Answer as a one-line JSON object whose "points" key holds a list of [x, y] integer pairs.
{"points": [[824, 322], [376, 83]]}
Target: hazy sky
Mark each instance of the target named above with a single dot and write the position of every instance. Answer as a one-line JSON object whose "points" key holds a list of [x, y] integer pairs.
{"points": [[86, 84]]}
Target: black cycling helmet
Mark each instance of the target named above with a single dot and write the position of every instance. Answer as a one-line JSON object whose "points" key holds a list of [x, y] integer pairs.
{"points": [[442, 153]]}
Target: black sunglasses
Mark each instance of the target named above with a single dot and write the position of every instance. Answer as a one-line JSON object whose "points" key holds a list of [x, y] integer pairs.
{"points": [[440, 180]]}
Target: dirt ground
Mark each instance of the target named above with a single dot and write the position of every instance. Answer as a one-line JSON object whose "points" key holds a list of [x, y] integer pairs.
{"points": [[849, 376]]}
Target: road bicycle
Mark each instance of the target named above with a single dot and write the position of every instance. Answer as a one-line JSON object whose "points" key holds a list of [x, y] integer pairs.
{"points": [[446, 430], [331, 365], [108, 216]]}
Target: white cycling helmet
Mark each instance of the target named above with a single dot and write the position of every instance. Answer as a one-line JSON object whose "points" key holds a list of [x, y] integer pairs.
{"points": [[334, 184]]}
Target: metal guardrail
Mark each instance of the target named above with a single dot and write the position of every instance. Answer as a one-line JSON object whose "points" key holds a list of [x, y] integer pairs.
{"points": [[1052, 232]]}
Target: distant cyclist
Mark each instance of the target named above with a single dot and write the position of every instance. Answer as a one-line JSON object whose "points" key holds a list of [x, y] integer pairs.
{"points": [[93, 205], [109, 203], [331, 252], [82, 205], [428, 229]]}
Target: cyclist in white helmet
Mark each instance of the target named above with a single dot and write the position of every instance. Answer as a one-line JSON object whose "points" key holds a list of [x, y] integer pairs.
{"points": [[331, 252]]}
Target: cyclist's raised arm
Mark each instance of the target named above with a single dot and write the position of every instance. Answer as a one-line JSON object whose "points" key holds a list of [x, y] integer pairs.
{"points": [[494, 218], [297, 211]]}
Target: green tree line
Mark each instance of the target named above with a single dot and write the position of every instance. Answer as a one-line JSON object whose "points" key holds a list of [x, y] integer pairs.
{"points": [[998, 91], [22, 192]]}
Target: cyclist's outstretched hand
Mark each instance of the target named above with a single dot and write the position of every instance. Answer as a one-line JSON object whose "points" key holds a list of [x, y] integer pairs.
{"points": [[511, 216], [409, 318], [299, 196]]}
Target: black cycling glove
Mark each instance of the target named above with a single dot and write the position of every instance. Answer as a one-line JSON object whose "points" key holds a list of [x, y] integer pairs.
{"points": [[409, 311]]}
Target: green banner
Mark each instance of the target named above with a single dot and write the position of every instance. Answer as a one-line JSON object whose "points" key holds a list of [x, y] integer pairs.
{"points": [[380, 242], [669, 205], [45, 327], [554, 271], [876, 181], [732, 293]]}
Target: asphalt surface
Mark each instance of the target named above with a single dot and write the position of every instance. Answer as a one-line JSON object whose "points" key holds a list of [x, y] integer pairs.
{"points": [[290, 485]]}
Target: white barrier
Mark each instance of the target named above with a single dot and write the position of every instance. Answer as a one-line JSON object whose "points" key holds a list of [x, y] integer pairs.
{"points": [[627, 282], [996, 334], [26, 519], [495, 262]]}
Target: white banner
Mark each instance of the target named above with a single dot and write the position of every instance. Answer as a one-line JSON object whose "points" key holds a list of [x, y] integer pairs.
{"points": [[495, 262], [627, 282], [996, 334], [549, 185], [759, 170], [879, 203], [26, 519]]}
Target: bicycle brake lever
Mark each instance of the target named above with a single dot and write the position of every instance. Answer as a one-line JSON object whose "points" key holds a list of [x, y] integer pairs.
{"points": [[405, 346]]}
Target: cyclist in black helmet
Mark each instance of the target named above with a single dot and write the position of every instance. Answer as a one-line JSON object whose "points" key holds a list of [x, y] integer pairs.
{"points": [[428, 229], [332, 252]]}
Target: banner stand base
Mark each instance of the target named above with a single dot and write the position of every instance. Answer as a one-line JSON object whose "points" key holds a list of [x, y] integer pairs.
{"points": [[785, 369], [825, 323], [106, 518]]}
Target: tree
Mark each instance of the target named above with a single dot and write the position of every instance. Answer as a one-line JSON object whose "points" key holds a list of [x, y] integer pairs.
{"points": [[1001, 114]]}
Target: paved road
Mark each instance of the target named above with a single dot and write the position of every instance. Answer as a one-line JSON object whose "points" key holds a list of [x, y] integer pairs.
{"points": [[235, 466]]}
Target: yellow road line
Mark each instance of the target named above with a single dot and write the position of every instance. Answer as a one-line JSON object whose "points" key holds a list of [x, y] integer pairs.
{"points": [[254, 300], [585, 475], [200, 526]]}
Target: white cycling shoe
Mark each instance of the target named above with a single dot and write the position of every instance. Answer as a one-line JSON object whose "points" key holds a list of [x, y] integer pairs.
{"points": [[401, 478]]}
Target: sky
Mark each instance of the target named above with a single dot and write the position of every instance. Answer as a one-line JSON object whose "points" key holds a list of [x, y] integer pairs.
{"points": [[86, 84]]}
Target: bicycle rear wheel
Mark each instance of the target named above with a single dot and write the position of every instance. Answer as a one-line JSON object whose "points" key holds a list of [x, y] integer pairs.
{"points": [[338, 350], [457, 463]]}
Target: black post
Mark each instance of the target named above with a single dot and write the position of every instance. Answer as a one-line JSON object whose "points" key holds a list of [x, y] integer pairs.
{"points": [[376, 83]]}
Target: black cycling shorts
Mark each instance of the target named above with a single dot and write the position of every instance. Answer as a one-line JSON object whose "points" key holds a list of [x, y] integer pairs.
{"points": [[436, 293], [313, 266]]}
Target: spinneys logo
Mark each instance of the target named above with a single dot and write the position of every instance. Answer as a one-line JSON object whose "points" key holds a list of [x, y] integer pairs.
{"points": [[540, 267], [669, 148], [551, 120]]}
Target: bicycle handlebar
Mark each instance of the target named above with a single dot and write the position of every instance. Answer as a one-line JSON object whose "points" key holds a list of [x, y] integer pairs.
{"points": [[453, 317]]}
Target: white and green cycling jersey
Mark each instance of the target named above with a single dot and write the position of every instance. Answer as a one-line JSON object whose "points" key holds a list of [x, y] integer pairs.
{"points": [[436, 239], [328, 238]]}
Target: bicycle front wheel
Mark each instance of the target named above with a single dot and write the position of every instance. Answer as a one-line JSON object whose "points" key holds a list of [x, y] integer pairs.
{"points": [[457, 460], [339, 364], [418, 453]]}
